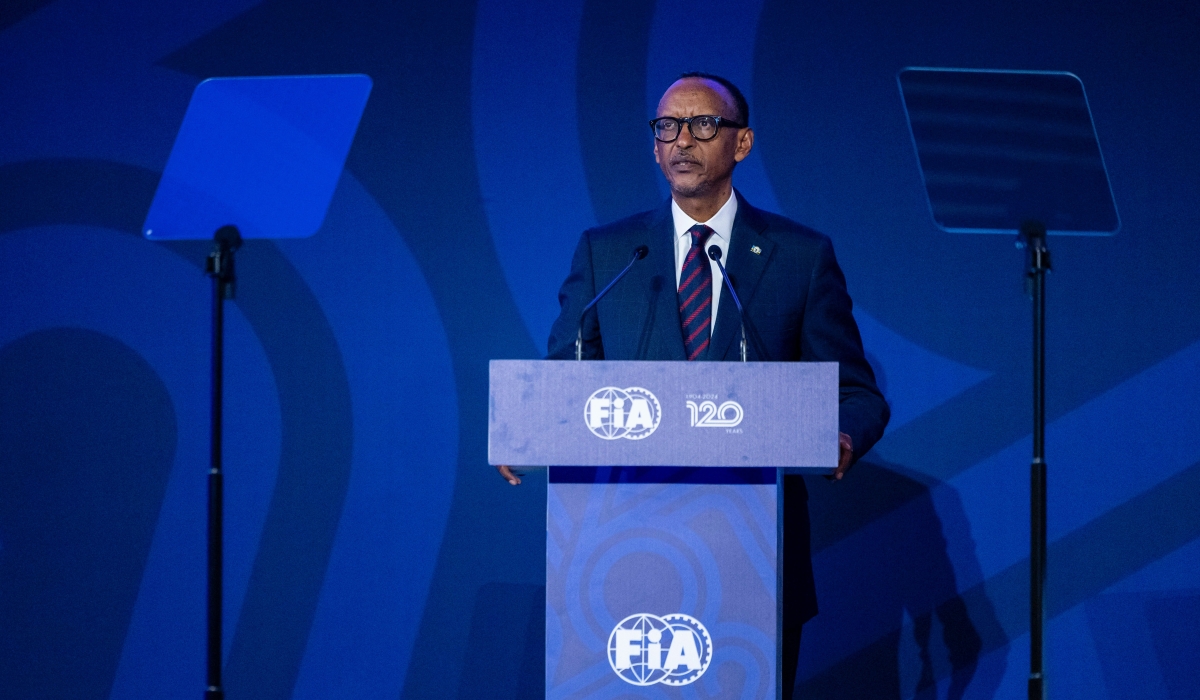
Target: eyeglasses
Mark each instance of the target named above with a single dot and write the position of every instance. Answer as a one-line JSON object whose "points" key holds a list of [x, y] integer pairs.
{"points": [[702, 128]]}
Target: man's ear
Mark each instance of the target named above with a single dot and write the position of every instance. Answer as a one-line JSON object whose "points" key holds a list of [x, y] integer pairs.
{"points": [[654, 145], [744, 144]]}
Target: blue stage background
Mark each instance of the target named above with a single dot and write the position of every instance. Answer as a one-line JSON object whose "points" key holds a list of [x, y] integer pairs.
{"points": [[372, 552]]}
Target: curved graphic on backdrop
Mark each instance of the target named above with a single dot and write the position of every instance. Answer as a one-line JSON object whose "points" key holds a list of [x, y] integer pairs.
{"points": [[406, 430], [614, 135], [527, 147], [88, 435], [397, 412], [81, 277], [313, 397]]}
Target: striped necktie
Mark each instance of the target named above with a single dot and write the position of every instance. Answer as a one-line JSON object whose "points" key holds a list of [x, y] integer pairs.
{"points": [[695, 294]]}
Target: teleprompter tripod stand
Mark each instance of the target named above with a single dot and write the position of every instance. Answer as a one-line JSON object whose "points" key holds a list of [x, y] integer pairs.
{"points": [[220, 268]]}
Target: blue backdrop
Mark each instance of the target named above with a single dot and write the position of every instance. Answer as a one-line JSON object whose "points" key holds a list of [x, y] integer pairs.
{"points": [[372, 552]]}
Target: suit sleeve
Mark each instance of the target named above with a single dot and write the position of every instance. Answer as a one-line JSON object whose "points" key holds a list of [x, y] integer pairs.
{"points": [[577, 290], [830, 334]]}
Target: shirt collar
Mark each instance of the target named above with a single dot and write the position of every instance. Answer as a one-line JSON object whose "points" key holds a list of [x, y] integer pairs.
{"points": [[721, 223]]}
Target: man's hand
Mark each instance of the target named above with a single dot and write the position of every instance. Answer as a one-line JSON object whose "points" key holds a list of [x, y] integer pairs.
{"points": [[516, 480], [845, 454]]}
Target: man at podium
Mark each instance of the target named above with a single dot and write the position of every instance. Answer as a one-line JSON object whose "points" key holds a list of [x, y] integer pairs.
{"points": [[796, 307]]}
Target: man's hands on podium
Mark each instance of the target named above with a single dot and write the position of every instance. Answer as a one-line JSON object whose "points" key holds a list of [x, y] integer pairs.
{"points": [[845, 455]]}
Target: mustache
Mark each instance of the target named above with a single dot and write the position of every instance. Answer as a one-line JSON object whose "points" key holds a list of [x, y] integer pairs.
{"points": [[683, 157]]}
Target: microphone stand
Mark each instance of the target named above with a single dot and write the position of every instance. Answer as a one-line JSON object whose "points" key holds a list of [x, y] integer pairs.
{"points": [[714, 252], [219, 267], [1033, 238], [638, 253]]}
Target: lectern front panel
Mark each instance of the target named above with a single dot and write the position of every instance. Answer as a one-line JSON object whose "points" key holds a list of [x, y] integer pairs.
{"points": [[661, 589]]}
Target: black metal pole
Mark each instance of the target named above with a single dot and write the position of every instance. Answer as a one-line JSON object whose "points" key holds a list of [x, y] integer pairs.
{"points": [[220, 268], [1033, 236]]}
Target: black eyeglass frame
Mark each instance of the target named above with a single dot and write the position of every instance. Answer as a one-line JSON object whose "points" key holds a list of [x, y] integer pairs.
{"points": [[679, 121]]}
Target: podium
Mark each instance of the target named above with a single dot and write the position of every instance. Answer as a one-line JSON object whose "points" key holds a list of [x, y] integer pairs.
{"points": [[663, 530]]}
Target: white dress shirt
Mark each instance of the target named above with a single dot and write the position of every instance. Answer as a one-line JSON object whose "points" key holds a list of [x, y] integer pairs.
{"points": [[722, 225]]}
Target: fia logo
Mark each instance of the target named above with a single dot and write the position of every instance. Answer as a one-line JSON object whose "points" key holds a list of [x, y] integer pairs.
{"points": [[646, 649], [612, 413], [707, 414]]}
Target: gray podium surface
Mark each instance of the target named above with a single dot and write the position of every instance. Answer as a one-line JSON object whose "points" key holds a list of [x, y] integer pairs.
{"points": [[696, 414]]}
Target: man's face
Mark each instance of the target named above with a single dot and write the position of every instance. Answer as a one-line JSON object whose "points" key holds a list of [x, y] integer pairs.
{"points": [[697, 168]]}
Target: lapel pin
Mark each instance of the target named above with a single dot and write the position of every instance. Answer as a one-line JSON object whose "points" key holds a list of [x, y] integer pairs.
{"points": [[756, 250]]}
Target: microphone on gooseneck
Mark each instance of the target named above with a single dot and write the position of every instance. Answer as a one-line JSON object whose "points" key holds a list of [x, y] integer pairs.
{"points": [[714, 252], [638, 253]]}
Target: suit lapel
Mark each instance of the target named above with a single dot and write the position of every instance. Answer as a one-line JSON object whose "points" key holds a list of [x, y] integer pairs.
{"points": [[745, 269]]}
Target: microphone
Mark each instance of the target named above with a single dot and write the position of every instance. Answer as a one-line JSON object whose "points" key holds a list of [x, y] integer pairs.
{"points": [[638, 253], [714, 252]]}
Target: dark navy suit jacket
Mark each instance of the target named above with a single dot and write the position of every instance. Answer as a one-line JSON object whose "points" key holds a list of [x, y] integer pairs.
{"points": [[796, 306]]}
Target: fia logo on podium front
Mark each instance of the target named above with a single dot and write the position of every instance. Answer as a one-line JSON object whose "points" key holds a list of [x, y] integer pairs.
{"points": [[632, 413], [646, 649]]}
